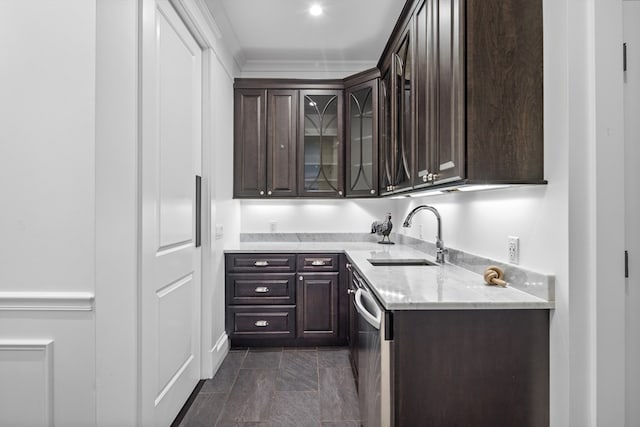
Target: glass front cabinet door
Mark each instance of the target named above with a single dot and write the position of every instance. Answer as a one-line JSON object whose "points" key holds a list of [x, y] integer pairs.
{"points": [[321, 169], [362, 140]]}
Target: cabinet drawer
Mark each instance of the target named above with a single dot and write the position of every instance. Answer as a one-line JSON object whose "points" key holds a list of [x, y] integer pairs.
{"points": [[317, 262], [252, 263], [262, 322], [273, 288]]}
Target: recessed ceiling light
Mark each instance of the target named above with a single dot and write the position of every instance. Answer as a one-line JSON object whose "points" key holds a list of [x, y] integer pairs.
{"points": [[315, 10]]}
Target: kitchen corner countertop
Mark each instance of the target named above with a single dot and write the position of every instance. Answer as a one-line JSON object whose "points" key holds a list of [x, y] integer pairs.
{"points": [[439, 287]]}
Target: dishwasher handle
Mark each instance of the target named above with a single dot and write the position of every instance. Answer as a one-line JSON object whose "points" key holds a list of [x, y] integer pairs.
{"points": [[374, 319]]}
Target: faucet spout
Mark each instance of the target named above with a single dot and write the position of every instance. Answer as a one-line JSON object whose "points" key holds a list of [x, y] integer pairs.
{"points": [[440, 249]]}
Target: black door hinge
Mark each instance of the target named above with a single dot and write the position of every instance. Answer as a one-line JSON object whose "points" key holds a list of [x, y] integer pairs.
{"points": [[626, 264], [624, 57]]}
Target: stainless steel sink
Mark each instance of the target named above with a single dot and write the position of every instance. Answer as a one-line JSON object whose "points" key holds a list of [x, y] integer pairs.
{"points": [[399, 262]]}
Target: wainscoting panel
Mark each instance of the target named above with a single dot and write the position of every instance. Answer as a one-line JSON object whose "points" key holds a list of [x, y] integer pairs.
{"points": [[26, 383], [47, 359]]}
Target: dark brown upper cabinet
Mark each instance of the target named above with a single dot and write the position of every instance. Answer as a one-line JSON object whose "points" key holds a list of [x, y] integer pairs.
{"points": [[265, 135], [478, 84], [321, 168], [479, 108], [361, 102], [288, 138]]}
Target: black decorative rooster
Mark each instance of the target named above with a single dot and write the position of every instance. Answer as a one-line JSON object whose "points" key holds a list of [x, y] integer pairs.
{"points": [[383, 229]]}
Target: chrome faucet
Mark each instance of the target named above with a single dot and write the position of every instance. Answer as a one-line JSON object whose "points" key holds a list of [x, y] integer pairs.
{"points": [[440, 249]]}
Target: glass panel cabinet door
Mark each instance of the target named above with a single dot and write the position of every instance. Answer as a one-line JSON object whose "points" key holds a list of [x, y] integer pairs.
{"points": [[322, 165], [362, 127], [386, 150], [404, 124]]}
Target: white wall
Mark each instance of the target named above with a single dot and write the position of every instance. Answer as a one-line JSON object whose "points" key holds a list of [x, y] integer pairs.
{"points": [[47, 220], [313, 216], [224, 209]]}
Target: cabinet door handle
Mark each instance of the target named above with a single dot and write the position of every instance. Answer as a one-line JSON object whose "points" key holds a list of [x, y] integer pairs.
{"points": [[261, 263], [262, 290], [372, 191], [350, 291], [262, 192], [269, 192], [261, 323], [318, 262], [348, 266], [300, 278], [340, 193]]}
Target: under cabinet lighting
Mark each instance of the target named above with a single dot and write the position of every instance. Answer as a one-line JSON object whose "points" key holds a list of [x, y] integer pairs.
{"points": [[462, 188], [482, 187], [315, 10]]}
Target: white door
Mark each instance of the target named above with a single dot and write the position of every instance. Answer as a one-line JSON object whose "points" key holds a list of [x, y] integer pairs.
{"points": [[169, 359], [632, 205]]}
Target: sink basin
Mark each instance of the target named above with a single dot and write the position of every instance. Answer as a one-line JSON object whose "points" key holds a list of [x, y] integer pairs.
{"points": [[399, 262]]}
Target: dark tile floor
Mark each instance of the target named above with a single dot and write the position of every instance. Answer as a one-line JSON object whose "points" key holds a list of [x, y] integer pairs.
{"points": [[279, 387]]}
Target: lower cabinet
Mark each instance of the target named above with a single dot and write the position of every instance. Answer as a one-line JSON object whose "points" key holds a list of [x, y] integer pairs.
{"points": [[317, 301], [470, 368], [286, 299]]}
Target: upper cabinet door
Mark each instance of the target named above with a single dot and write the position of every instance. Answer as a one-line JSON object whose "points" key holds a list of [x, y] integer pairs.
{"points": [[403, 111], [250, 145], [281, 143], [448, 151], [322, 153], [362, 140], [440, 112], [386, 143]]}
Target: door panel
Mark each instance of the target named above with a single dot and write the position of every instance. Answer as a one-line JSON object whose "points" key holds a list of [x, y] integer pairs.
{"points": [[250, 143], [632, 205], [321, 166], [170, 158], [362, 129], [282, 109], [317, 301], [426, 91], [449, 147], [176, 126]]}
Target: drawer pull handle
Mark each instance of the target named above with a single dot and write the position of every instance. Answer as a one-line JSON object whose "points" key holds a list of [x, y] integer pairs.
{"points": [[261, 323], [262, 290], [318, 262], [261, 263]]}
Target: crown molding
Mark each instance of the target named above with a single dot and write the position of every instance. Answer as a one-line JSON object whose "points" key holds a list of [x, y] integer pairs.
{"points": [[303, 68]]}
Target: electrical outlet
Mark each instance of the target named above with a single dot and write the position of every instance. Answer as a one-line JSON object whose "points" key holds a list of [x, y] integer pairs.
{"points": [[273, 226], [513, 248], [420, 235], [219, 231]]}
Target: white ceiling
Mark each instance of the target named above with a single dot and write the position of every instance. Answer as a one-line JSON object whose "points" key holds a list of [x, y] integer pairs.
{"points": [[350, 34]]}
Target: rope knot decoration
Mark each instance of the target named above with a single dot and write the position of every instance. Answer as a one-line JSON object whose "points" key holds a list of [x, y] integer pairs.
{"points": [[493, 275]]}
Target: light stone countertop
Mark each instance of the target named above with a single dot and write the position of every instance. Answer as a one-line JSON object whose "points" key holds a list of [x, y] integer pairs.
{"points": [[441, 287]]}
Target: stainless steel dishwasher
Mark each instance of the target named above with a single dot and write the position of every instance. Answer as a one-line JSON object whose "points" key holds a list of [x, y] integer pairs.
{"points": [[374, 361]]}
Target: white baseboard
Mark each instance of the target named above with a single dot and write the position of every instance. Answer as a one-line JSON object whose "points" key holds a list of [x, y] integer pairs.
{"points": [[218, 352]]}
